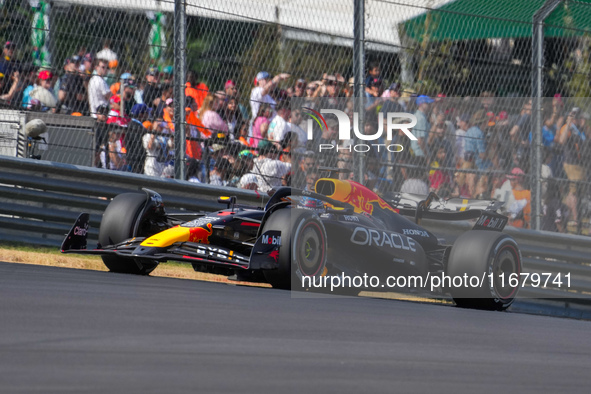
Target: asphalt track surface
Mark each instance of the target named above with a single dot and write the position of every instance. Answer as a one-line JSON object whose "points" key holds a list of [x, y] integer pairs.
{"points": [[65, 330]]}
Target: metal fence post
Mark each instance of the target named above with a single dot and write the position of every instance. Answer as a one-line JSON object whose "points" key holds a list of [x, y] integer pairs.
{"points": [[180, 61], [358, 72], [537, 93]]}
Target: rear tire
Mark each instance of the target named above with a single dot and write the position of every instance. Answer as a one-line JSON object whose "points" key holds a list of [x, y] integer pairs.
{"points": [[478, 253], [117, 225], [303, 249]]}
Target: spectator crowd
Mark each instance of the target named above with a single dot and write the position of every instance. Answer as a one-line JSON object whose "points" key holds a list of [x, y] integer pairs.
{"points": [[472, 148]]}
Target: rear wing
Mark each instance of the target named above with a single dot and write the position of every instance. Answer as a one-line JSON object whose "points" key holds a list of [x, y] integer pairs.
{"points": [[433, 207]]}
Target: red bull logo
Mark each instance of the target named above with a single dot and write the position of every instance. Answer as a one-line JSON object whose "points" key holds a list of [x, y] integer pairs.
{"points": [[363, 199], [275, 255], [200, 234]]}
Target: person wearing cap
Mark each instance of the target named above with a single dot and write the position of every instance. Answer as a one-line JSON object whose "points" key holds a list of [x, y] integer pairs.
{"points": [[101, 133], [268, 168], [249, 181], [14, 86], [260, 93], [390, 99], [86, 65], [128, 98], [116, 116], [7, 64], [152, 89], [98, 89], [194, 88], [72, 94], [168, 74], [44, 90], [232, 91], [230, 88], [136, 154], [475, 140], [116, 87], [422, 128]]}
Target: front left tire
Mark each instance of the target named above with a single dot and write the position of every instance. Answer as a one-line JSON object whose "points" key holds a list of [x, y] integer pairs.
{"points": [[117, 225]]}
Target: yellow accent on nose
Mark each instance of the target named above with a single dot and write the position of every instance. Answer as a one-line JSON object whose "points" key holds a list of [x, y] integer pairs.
{"points": [[464, 205], [167, 237]]}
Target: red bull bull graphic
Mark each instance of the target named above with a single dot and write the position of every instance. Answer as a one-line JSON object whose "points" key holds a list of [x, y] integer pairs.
{"points": [[275, 255], [200, 234], [358, 196]]}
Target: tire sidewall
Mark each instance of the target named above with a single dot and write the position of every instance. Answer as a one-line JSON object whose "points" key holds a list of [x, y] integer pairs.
{"points": [[475, 253], [119, 218], [117, 225], [302, 223], [290, 222]]}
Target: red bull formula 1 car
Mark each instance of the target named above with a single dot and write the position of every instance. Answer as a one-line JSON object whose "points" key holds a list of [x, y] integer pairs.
{"points": [[342, 229]]}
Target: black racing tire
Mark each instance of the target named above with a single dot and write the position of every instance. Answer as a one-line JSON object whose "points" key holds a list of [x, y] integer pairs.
{"points": [[118, 225], [480, 253], [303, 250]]}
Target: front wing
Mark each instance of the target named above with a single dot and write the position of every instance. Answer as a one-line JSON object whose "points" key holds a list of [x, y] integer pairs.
{"points": [[183, 251], [263, 255]]}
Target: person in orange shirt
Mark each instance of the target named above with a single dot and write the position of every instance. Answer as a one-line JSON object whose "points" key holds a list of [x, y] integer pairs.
{"points": [[242, 133], [193, 127], [521, 208], [168, 114], [196, 90]]}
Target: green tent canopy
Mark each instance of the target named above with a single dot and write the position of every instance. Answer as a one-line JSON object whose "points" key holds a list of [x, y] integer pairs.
{"points": [[481, 19]]}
